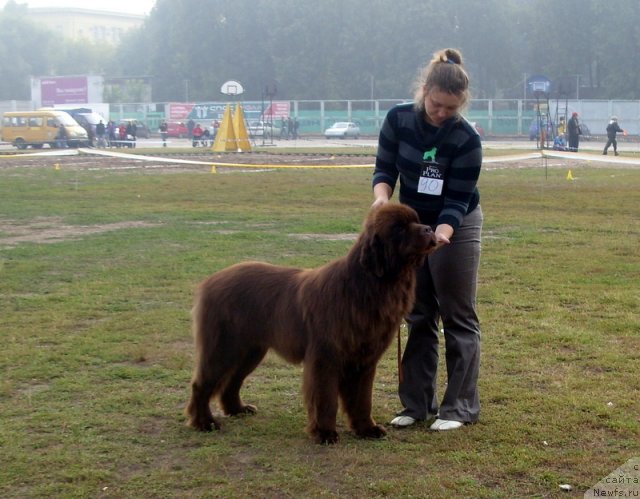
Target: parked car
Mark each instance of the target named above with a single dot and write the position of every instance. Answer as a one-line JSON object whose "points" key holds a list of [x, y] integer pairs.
{"points": [[177, 129], [342, 130], [263, 129], [87, 118]]}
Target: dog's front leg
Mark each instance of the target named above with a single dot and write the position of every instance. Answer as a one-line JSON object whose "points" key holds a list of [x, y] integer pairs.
{"points": [[356, 387], [320, 389]]}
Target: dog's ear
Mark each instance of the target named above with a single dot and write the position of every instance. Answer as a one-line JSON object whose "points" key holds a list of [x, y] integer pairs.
{"points": [[373, 255]]}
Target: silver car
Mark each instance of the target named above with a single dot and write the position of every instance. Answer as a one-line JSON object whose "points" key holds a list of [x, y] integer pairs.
{"points": [[263, 129], [342, 130]]}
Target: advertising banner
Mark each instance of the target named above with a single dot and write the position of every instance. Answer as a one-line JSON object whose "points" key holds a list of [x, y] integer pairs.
{"points": [[179, 111], [64, 90], [277, 109], [206, 111]]}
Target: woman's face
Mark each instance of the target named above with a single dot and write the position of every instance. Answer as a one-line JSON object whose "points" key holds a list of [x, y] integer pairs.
{"points": [[440, 106]]}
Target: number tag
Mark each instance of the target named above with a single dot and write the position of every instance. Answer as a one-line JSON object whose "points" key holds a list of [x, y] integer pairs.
{"points": [[431, 179]]}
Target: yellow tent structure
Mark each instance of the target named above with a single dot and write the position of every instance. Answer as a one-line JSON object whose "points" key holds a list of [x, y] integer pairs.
{"points": [[232, 134], [240, 130], [225, 138]]}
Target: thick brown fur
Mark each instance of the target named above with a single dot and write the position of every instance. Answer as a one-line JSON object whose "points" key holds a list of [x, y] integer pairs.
{"points": [[337, 319]]}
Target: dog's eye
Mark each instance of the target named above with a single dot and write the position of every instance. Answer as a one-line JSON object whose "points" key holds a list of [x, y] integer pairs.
{"points": [[398, 230]]}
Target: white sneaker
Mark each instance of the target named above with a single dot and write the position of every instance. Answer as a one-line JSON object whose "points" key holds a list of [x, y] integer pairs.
{"points": [[403, 421], [445, 424]]}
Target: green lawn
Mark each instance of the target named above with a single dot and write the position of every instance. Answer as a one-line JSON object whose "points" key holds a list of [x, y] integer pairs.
{"points": [[97, 273]]}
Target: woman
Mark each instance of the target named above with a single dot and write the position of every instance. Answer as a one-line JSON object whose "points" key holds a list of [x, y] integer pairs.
{"points": [[573, 128], [437, 155]]}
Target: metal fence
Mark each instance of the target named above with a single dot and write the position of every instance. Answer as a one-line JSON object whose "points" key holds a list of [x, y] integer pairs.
{"points": [[498, 117]]}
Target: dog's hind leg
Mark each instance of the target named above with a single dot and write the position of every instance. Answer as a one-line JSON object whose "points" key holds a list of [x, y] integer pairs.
{"points": [[230, 400], [198, 409], [208, 379]]}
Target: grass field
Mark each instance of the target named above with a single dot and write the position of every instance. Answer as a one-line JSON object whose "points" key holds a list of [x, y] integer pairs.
{"points": [[97, 273]]}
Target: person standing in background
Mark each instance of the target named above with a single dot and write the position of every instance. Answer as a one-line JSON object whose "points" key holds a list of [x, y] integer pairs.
{"points": [[164, 132], [100, 131], [612, 129], [573, 129]]}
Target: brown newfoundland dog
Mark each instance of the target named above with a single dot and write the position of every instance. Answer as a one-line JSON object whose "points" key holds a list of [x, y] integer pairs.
{"points": [[337, 319]]}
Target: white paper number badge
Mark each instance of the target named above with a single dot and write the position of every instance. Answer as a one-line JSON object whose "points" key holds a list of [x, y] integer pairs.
{"points": [[432, 177]]}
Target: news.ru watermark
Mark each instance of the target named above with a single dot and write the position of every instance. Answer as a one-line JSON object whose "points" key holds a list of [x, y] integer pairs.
{"points": [[622, 482]]}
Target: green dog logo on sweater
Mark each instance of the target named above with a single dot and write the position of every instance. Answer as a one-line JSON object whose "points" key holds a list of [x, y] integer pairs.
{"points": [[430, 155]]}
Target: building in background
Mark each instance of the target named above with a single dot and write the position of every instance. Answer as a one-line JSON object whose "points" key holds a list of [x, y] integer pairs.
{"points": [[85, 24]]}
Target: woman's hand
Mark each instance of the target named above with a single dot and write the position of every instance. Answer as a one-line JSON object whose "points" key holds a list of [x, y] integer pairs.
{"points": [[379, 202], [443, 235], [382, 193]]}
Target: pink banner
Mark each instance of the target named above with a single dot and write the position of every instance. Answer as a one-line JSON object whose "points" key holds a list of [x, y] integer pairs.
{"points": [[179, 110], [278, 109], [64, 90]]}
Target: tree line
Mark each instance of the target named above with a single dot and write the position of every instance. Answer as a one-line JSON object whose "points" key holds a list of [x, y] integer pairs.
{"points": [[342, 49]]}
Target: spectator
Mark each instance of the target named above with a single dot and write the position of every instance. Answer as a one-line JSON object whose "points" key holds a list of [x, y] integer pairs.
{"points": [[190, 126], [100, 131], [164, 132], [133, 132], [61, 137], [612, 129], [289, 127], [111, 133], [573, 128], [296, 125], [196, 135], [122, 135], [90, 133], [206, 136]]}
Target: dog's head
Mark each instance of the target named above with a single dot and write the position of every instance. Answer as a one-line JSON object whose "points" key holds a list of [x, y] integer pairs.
{"points": [[393, 239]]}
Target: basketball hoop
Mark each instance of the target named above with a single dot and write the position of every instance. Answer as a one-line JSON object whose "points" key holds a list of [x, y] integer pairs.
{"points": [[231, 88]]}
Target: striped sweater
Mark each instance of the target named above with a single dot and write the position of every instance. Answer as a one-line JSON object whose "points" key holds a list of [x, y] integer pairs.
{"points": [[404, 149]]}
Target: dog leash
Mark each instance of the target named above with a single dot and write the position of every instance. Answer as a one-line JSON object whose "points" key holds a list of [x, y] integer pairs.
{"points": [[400, 375]]}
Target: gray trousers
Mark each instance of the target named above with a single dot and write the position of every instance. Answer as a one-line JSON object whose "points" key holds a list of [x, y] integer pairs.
{"points": [[446, 291]]}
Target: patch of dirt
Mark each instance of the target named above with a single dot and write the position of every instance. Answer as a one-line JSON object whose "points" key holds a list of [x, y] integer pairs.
{"points": [[45, 230]]}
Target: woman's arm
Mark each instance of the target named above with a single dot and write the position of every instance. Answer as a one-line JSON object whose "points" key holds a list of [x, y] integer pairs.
{"points": [[382, 193]]}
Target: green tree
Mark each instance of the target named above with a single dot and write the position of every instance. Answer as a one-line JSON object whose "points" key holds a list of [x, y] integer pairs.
{"points": [[343, 49], [25, 51]]}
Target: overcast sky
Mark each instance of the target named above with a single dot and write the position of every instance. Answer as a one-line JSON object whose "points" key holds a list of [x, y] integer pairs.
{"points": [[128, 6]]}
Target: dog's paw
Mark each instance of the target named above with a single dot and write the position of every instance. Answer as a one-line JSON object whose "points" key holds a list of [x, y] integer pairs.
{"points": [[375, 431], [242, 409], [205, 424], [327, 437], [248, 409]]}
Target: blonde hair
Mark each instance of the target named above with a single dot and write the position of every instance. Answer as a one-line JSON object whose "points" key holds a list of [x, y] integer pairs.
{"points": [[445, 72]]}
